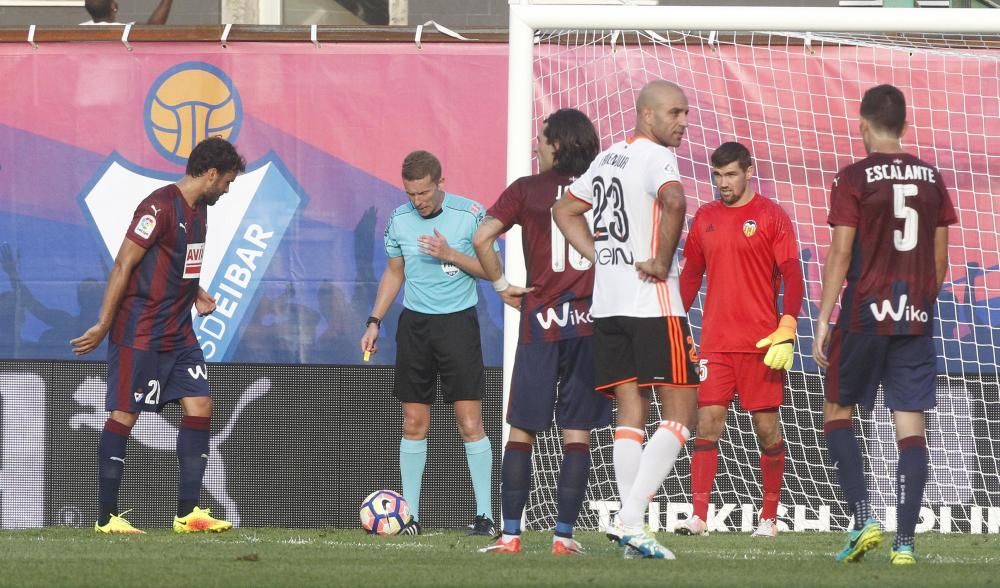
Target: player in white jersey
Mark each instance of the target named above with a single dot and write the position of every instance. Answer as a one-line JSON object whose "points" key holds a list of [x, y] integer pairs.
{"points": [[641, 336]]}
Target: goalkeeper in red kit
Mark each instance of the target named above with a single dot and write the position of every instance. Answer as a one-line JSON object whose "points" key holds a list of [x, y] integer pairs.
{"points": [[746, 245]]}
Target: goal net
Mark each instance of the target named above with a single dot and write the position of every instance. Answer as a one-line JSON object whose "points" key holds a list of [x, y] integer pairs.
{"points": [[792, 98]]}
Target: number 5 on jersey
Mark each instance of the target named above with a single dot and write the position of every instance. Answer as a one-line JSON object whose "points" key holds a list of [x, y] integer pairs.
{"points": [[906, 239]]}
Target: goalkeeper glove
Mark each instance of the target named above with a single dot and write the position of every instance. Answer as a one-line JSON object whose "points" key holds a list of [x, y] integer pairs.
{"points": [[781, 352]]}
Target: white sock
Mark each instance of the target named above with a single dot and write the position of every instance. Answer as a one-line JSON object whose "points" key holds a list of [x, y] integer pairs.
{"points": [[627, 451], [657, 460], [568, 542]]}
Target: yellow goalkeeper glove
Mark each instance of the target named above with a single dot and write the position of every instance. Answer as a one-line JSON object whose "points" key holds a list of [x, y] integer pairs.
{"points": [[781, 352]]}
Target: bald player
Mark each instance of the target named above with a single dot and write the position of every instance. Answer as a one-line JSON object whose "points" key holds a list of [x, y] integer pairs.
{"points": [[642, 343]]}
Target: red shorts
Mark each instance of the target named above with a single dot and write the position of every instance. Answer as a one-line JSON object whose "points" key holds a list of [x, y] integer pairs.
{"points": [[725, 374]]}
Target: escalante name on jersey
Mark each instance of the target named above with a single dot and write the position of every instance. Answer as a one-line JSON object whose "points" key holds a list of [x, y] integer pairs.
{"points": [[899, 172]]}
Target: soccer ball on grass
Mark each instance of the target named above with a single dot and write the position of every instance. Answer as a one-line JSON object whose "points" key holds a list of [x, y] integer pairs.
{"points": [[384, 512]]}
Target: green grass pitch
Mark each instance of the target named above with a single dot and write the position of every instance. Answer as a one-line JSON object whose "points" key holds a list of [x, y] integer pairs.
{"points": [[335, 557]]}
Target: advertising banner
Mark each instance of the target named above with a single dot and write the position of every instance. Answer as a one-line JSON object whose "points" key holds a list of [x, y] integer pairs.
{"points": [[294, 251]]}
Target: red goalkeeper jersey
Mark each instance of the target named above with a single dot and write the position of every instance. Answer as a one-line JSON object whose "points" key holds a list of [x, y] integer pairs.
{"points": [[740, 250]]}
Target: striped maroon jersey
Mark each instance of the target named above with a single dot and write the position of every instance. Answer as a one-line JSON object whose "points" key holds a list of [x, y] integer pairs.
{"points": [[896, 202], [563, 280], [155, 314]]}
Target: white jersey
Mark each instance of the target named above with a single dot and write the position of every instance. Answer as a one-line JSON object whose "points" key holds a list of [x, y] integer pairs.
{"points": [[621, 185]]}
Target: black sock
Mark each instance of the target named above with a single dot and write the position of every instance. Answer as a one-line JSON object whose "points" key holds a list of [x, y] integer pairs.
{"points": [[192, 457], [573, 475], [111, 468], [911, 477], [846, 456], [515, 484]]}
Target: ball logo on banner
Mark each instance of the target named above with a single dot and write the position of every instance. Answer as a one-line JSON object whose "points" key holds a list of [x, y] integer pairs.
{"points": [[187, 103]]}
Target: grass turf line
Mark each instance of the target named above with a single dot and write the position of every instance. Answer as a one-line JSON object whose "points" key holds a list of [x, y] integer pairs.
{"points": [[335, 557]]}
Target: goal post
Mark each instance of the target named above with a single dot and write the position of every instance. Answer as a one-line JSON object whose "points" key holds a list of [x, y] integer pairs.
{"points": [[786, 82]]}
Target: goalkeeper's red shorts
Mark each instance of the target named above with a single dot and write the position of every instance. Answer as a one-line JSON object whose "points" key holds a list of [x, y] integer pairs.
{"points": [[723, 375]]}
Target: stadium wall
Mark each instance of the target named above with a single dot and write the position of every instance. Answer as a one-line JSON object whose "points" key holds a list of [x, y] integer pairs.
{"points": [[302, 445], [292, 446]]}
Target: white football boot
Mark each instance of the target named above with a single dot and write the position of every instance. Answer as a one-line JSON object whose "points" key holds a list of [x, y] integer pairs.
{"points": [[692, 526]]}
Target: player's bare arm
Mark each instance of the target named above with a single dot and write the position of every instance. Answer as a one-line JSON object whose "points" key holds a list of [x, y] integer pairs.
{"points": [[9, 262], [834, 272], [204, 303], [512, 295], [568, 213], [486, 235], [129, 255], [674, 207], [437, 246], [941, 254], [161, 13], [388, 289]]}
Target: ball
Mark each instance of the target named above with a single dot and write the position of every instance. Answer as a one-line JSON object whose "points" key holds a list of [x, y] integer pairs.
{"points": [[188, 103], [384, 512]]}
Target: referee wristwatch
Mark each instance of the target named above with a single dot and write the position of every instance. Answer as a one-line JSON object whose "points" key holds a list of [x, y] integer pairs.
{"points": [[374, 320]]}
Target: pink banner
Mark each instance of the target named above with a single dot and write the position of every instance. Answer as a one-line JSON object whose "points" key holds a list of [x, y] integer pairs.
{"points": [[366, 104], [89, 128]]}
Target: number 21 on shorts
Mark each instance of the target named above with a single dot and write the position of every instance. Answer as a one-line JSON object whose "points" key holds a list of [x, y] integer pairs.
{"points": [[153, 395]]}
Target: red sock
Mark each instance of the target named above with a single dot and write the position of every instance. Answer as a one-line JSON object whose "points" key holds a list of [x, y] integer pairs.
{"points": [[704, 464], [772, 467]]}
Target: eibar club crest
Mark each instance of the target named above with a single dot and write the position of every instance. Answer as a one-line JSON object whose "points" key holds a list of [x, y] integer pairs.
{"points": [[749, 228], [245, 226]]}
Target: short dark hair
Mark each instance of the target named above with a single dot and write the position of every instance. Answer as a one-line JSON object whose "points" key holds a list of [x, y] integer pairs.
{"points": [[730, 152], [578, 142], [98, 9], [420, 164], [214, 153], [884, 107]]}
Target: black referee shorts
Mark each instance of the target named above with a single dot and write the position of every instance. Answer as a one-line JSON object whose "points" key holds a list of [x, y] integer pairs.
{"points": [[431, 344]]}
